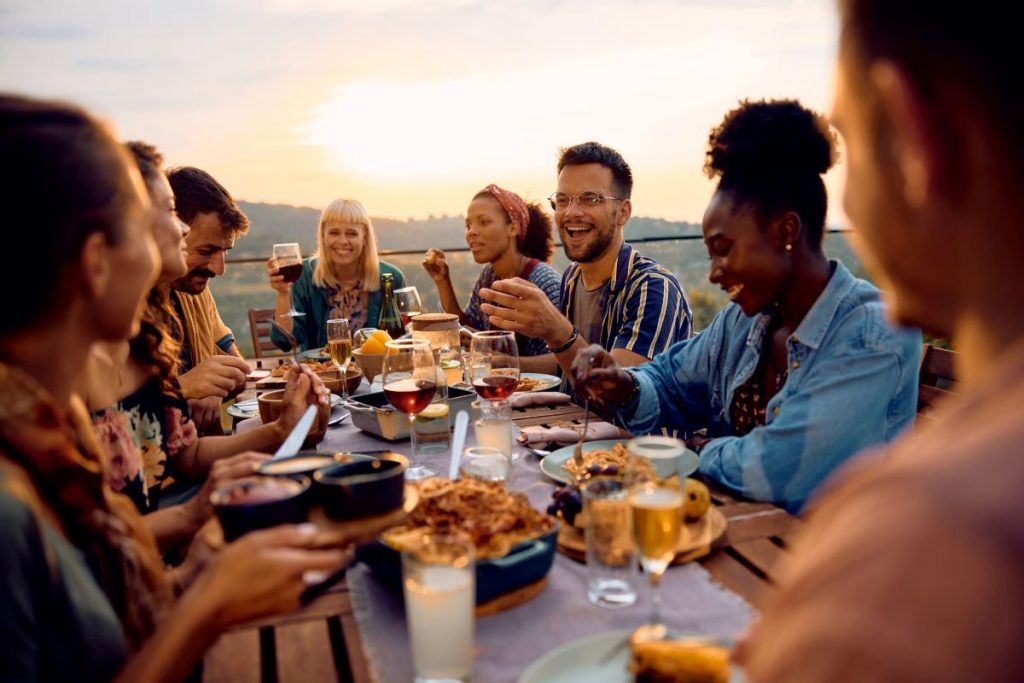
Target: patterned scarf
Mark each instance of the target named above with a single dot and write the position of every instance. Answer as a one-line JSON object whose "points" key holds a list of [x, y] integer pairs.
{"points": [[513, 205], [65, 463]]}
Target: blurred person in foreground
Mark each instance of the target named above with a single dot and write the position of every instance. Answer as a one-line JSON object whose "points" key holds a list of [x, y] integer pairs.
{"points": [[211, 367], [912, 567], [513, 239], [84, 596], [779, 376], [342, 280], [611, 295]]}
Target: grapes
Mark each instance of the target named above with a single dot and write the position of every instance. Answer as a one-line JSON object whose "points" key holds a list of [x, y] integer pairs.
{"points": [[567, 503]]}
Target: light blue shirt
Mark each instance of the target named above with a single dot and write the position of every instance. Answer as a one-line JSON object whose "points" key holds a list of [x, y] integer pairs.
{"points": [[852, 384]]}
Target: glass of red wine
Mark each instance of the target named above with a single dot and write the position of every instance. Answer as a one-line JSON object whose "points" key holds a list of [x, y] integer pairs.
{"points": [[288, 260], [410, 380], [409, 305], [494, 364]]}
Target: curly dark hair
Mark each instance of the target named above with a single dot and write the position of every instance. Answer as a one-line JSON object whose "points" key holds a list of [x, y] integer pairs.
{"points": [[596, 153], [156, 345], [539, 242], [196, 191], [770, 156]]}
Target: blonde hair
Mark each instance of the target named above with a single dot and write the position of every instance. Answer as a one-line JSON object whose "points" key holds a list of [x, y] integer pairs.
{"points": [[348, 211]]}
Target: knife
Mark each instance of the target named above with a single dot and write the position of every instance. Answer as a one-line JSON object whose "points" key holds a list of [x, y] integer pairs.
{"points": [[294, 441]]}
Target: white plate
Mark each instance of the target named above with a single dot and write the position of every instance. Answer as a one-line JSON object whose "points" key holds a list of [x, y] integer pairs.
{"points": [[582, 661], [250, 407], [552, 464], [257, 375], [547, 381]]}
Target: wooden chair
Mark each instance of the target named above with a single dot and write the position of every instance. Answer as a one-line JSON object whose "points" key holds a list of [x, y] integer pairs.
{"points": [[259, 326], [937, 378]]}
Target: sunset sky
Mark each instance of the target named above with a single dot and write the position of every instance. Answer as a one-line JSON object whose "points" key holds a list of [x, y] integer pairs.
{"points": [[411, 106]]}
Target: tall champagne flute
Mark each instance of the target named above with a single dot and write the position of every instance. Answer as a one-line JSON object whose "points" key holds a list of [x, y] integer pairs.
{"points": [[494, 364], [339, 341], [410, 379], [657, 524], [409, 305], [288, 260]]}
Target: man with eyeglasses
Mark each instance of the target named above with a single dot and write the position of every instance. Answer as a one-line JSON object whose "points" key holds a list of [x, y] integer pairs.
{"points": [[611, 294]]}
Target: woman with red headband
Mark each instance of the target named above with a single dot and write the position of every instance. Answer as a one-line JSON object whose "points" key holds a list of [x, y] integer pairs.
{"points": [[514, 239]]}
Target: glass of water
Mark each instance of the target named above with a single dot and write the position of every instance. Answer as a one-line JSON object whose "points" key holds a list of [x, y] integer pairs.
{"points": [[611, 556]]}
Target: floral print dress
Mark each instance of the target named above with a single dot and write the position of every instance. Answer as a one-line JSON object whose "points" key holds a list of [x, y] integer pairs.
{"points": [[142, 434]]}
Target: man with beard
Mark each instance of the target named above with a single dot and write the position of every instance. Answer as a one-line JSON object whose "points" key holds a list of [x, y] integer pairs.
{"points": [[912, 568], [211, 364], [611, 295]]}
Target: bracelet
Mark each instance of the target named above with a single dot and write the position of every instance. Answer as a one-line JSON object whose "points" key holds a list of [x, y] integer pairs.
{"points": [[566, 344], [634, 391]]}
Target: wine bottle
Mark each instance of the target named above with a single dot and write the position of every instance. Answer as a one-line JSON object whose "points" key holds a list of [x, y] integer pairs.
{"points": [[390, 319]]}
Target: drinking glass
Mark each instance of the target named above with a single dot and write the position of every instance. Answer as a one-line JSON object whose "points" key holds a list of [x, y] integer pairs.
{"points": [[339, 341], [409, 305], [494, 364], [288, 261], [611, 559], [484, 463], [410, 380], [439, 583], [657, 524], [647, 457], [493, 426]]}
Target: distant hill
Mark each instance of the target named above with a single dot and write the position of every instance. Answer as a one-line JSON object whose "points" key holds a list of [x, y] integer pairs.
{"points": [[283, 223]]}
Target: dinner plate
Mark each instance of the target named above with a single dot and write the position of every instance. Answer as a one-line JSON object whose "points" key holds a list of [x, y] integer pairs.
{"points": [[251, 408], [546, 381], [586, 661], [552, 464]]}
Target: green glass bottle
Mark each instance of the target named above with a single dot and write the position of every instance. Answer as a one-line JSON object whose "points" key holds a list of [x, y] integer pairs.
{"points": [[390, 319]]}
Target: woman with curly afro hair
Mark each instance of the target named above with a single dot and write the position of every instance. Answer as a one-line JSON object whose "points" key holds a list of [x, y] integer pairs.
{"points": [[800, 370]]}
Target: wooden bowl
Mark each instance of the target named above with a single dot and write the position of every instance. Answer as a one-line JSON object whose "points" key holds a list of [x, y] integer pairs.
{"points": [[370, 363], [270, 404], [332, 380]]}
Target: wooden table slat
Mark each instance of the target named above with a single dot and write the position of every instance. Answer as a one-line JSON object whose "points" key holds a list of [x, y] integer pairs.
{"points": [[737, 577], [300, 652], [332, 603], [234, 658], [761, 553], [354, 644], [748, 521]]}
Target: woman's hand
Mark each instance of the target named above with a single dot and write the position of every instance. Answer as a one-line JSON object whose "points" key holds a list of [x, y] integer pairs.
{"points": [[595, 373], [304, 389], [261, 574], [222, 473], [277, 282], [436, 265]]}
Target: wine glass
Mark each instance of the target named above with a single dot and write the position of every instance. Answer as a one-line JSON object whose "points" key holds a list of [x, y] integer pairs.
{"points": [[288, 261], [339, 341], [410, 380], [494, 364], [657, 511], [409, 305]]}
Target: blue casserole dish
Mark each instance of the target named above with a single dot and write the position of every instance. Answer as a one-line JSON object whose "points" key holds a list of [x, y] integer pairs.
{"points": [[526, 563]]}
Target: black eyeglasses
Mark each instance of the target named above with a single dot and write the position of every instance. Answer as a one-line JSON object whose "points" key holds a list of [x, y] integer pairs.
{"points": [[561, 201]]}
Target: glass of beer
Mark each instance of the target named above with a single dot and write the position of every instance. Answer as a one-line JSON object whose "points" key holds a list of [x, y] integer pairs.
{"points": [[339, 342], [657, 525], [288, 261]]}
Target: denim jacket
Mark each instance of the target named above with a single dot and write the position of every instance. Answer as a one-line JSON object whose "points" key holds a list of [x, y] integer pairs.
{"points": [[852, 383]]}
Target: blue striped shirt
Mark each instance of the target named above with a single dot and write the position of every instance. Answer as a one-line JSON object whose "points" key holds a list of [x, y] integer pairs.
{"points": [[646, 310]]}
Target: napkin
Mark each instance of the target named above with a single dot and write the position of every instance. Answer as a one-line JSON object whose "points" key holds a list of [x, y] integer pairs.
{"points": [[596, 431], [526, 399]]}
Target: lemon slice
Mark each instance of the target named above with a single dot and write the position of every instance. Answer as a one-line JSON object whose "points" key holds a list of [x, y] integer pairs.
{"points": [[434, 411]]}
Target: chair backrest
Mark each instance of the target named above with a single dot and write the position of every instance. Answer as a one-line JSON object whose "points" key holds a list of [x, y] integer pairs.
{"points": [[259, 326], [937, 378]]}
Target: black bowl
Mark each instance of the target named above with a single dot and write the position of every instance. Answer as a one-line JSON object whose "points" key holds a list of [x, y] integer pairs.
{"points": [[260, 503], [526, 563], [363, 488]]}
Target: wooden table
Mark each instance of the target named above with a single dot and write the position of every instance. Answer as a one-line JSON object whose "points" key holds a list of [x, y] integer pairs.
{"points": [[321, 642]]}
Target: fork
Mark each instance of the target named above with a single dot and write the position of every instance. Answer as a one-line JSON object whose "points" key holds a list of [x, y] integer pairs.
{"points": [[290, 337], [577, 455]]}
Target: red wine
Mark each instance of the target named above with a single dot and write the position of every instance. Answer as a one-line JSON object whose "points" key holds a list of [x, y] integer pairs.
{"points": [[290, 272], [406, 317], [495, 387], [410, 395]]}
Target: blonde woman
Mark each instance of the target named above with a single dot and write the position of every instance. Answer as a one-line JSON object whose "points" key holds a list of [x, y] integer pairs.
{"points": [[341, 281]]}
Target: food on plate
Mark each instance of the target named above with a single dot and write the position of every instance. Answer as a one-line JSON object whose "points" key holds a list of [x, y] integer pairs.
{"points": [[696, 499], [529, 383], [314, 365], [609, 462], [491, 517], [374, 344], [678, 661]]}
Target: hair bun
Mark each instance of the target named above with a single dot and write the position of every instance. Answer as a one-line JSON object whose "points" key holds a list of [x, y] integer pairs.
{"points": [[768, 138]]}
